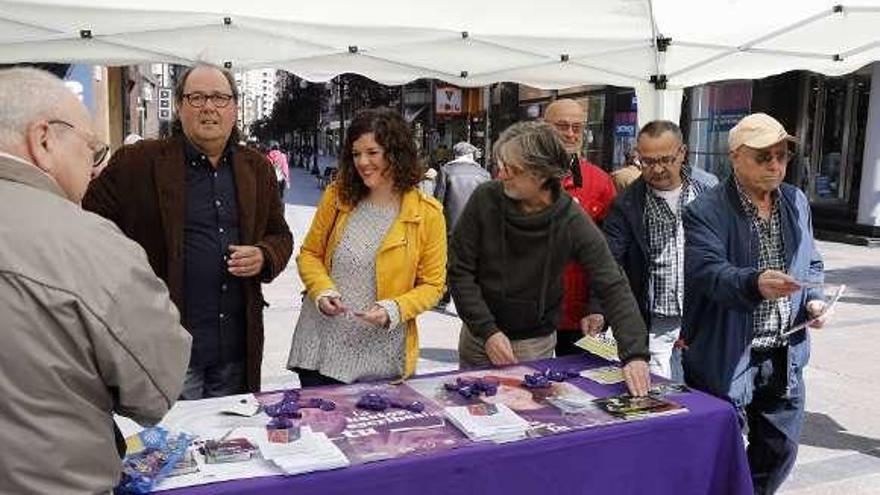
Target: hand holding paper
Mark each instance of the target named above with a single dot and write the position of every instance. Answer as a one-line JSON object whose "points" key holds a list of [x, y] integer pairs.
{"points": [[818, 312]]}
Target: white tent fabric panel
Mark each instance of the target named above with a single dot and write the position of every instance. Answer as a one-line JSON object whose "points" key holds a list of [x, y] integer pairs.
{"points": [[549, 45]]}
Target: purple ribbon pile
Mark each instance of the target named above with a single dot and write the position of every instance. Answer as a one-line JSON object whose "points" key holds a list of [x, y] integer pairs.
{"points": [[290, 405], [542, 379], [468, 387], [375, 402]]}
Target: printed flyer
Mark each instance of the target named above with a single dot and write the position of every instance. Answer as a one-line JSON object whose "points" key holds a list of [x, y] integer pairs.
{"points": [[366, 436], [540, 406]]}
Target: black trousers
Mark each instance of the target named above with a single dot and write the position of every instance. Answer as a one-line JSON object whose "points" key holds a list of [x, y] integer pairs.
{"points": [[311, 378]]}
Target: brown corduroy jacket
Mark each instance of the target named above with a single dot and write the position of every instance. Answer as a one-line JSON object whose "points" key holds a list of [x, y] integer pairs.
{"points": [[142, 191]]}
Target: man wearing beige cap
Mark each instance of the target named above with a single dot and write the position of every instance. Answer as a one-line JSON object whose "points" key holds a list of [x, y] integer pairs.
{"points": [[752, 272]]}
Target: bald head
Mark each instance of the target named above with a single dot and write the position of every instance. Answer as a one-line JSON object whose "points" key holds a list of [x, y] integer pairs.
{"points": [[568, 117], [45, 124]]}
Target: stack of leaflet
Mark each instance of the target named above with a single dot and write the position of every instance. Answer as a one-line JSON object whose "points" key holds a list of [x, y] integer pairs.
{"points": [[494, 422], [311, 452]]}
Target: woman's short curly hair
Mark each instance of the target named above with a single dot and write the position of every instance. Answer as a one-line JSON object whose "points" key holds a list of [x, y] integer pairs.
{"points": [[396, 139]]}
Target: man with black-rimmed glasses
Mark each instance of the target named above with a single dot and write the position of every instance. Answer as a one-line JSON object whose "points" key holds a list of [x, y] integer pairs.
{"points": [[207, 212], [646, 236]]}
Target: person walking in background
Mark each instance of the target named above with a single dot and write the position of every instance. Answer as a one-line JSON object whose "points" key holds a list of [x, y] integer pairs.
{"points": [[428, 182], [646, 236], [207, 212], [591, 188], [457, 181], [278, 159], [752, 271], [508, 252], [374, 258], [88, 329]]}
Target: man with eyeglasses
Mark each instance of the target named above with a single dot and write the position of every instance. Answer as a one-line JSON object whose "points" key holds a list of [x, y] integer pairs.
{"points": [[88, 330], [593, 190], [207, 212], [751, 272], [646, 236]]}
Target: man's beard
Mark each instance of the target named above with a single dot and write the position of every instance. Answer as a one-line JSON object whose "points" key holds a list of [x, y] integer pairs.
{"points": [[514, 195]]}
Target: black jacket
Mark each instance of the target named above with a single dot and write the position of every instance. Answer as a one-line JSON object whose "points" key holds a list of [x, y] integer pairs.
{"points": [[627, 238]]}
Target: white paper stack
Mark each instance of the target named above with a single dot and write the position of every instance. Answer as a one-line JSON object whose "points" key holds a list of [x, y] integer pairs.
{"points": [[603, 346], [494, 422], [311, 452]]}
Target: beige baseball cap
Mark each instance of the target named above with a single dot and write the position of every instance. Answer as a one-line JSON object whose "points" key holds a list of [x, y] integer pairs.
{"points": [[758, 131]]}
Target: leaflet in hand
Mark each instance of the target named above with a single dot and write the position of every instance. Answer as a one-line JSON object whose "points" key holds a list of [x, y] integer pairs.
{"points": [[829, 307], [604, 347]]}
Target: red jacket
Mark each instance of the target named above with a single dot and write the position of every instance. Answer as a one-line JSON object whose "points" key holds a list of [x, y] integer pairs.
{"points": [[595, 197]]}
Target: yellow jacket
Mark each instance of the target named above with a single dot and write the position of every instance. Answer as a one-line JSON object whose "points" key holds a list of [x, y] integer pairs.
{"points": [[410, 264]]}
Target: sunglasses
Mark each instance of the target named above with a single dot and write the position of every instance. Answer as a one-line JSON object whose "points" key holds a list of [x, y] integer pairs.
{"points": [[765, 157]]}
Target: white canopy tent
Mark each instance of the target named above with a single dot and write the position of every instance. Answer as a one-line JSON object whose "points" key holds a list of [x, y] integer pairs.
{"points": [[658, 47]]}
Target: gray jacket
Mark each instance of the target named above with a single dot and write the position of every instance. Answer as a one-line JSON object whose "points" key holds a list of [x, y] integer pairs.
{"points": [[87, 330], [456, 183]]}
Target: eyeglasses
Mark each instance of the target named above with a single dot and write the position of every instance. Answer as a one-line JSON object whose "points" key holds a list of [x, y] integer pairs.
{"points": [[99, 149], [512, 171], [764, 157], [664, 161], [198, 100], [563, 126]]}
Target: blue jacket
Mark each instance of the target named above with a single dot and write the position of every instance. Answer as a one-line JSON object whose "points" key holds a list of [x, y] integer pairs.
{"points": [[721, 288], [628, 239]]}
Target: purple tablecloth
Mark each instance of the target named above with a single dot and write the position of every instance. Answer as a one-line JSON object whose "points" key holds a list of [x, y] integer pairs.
{"points": [[699, 452]]}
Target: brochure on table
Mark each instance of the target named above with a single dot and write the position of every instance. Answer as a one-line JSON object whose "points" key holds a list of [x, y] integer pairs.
{"points": [[348, 435]]}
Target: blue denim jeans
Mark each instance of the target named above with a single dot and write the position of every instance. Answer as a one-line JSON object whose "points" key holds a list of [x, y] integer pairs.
{"points": [[773, 419]]}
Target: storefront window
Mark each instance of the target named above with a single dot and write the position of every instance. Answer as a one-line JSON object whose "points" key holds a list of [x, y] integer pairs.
{"points": [[594, 127], [625, 128], [838, 107], [715, 109]]}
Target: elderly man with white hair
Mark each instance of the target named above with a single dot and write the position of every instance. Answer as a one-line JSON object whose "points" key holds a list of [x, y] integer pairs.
{"points": [[456, 183], [752, 275], [88, 329]]}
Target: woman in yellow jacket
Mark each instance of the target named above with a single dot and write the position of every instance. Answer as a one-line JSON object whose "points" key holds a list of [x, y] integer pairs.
{"points": [[373, 259]]}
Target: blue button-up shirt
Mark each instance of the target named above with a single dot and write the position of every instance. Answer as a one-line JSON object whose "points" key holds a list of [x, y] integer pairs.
{"points": [[215, 306]]}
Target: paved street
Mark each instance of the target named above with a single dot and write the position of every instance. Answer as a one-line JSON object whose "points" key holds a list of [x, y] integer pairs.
{"points": [[840, 447]]}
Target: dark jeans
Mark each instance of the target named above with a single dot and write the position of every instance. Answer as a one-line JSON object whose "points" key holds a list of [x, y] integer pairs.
{"points": [[773, 418], [282, 185], [311, 378], [214, 381], [565, 340]]}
